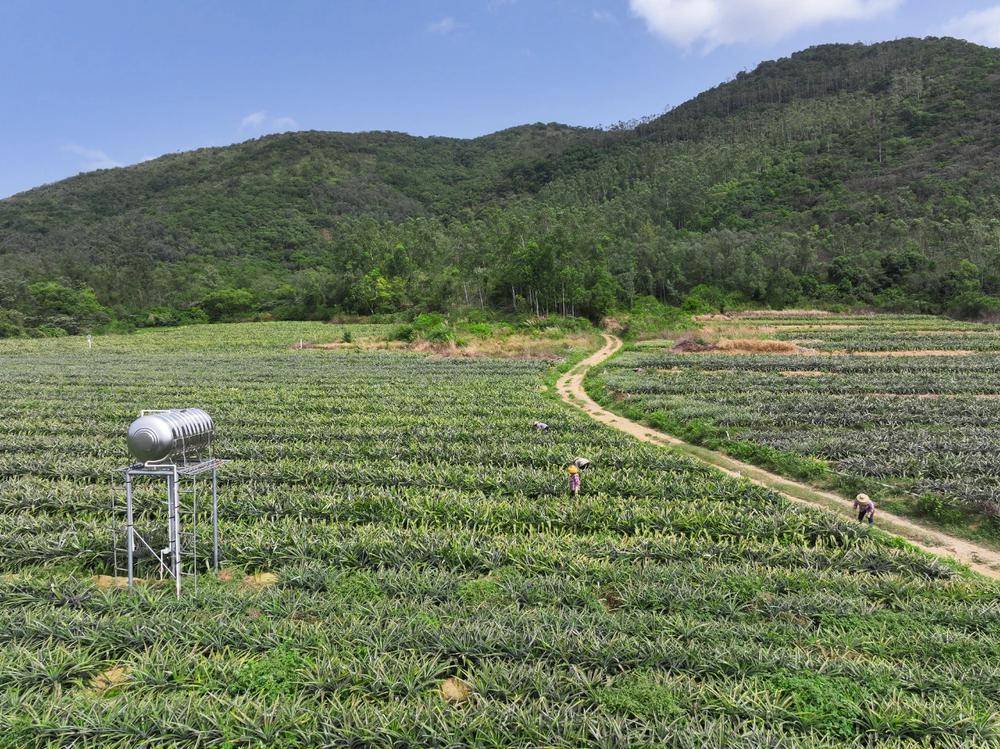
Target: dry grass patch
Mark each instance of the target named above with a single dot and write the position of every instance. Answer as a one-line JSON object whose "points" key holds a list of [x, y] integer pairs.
{"points": [[107, 582], [509, 347], [821, 326], [260, 580], [454, 690], [109, 679], [756, 313], [803, 373], [699, 343], [759, 346], [365, 343], [738, 331]]}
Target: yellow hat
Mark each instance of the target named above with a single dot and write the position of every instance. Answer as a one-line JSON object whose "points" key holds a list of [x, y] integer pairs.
{"points": [[573, 469]]}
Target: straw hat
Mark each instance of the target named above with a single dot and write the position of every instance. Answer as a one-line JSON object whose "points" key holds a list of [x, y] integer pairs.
{"points": [[573, 469], [863, 498]]}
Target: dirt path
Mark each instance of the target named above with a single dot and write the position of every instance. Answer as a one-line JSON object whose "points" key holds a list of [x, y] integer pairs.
{"points": [[570, 389]]}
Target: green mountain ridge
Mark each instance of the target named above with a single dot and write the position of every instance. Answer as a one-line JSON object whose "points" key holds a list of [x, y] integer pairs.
{"points": [[844, 174]]}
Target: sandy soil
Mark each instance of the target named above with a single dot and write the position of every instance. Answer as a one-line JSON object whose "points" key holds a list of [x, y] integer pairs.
{"points": [[570, 388]]}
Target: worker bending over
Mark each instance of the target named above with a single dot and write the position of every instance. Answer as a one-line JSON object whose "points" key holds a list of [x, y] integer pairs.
{"points": [[865, 507]]}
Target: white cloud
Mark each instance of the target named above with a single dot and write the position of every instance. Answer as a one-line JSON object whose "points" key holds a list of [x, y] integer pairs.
{"points": [[284, 123], [445, 26], [262, 122], [91, 158], [603, 16], [979, 26], [254, 120], [713, 23]]}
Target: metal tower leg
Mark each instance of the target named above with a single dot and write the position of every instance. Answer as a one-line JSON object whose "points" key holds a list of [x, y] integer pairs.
{"points": [[129, 530], [215, 521], [175, 529]]}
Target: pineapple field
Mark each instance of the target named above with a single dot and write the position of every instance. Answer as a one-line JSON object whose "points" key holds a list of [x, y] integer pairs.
{"points": [[905, 408], [403, 565]]}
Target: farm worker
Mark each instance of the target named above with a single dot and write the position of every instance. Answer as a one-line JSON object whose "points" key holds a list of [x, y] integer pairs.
{"points": [[865, 507], [574, 480]]}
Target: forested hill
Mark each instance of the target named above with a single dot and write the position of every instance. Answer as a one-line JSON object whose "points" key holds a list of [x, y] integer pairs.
{"points": [[843, 174]]}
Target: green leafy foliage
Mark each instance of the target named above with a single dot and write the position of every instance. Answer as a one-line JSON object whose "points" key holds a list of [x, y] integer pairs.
{"points": [[844, 174]]}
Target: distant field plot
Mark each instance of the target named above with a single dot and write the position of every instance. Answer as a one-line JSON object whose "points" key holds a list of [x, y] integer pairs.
{"points": [[435, 585], [910, 401]]}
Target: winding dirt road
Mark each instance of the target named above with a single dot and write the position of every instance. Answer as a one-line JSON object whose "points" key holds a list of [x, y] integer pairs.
{"points": [[570, 389]]}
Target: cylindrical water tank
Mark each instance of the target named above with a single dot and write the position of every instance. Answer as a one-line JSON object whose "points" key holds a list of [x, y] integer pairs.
{"points": [[168, 434]]}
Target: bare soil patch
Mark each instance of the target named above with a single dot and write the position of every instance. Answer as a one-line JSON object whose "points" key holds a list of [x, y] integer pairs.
{"points": [[612, 325], [691, 346], [610, 598]]}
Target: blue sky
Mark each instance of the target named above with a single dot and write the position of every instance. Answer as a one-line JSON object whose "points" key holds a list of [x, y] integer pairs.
{"points": [[99, 83]]}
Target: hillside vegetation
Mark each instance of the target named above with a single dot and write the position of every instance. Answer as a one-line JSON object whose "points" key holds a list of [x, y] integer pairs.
{"points": [[845, 174]]}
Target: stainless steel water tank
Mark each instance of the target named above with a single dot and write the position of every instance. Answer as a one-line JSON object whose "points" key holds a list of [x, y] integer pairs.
{"points": [[159, 435]]}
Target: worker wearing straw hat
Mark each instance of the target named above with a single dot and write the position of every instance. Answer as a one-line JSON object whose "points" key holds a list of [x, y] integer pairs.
{"points": [[865, 507]]}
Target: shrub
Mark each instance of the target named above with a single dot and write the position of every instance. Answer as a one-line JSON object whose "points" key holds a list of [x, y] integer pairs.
{"points": [[11, 324], [974, 305], [706, 298], [405, 332], [440, 334], [648, 318]]}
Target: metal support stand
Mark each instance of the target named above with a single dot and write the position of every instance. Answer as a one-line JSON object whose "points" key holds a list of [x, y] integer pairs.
{"points": [[129, 529], [215, 521], [170, 559]]}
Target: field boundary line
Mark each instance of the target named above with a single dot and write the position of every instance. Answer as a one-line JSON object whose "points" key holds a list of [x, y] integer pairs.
{"points": [[570, 388]]}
